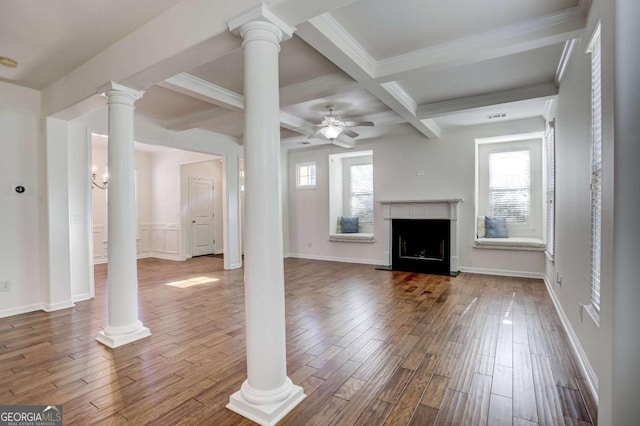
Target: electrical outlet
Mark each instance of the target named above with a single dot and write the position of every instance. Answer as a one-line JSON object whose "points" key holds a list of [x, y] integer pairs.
{"points": [[5, 286], [559, 279]]}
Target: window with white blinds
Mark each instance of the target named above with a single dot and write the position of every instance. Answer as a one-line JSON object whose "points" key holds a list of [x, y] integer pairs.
{"points": [[596, 169], [509, 182], [550, 145], [510, 185], [361, 195], [351, 193]]}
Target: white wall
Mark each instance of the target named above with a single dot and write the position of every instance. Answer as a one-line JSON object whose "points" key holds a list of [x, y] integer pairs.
{"points": [[448, 167], [142, 163], [21, 163], [573, 211], [169, 198]]}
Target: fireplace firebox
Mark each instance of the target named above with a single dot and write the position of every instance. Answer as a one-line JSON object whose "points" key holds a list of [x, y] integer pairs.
{"points": [[421, 245]]}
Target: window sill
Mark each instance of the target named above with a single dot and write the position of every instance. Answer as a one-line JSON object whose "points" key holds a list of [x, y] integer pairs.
{"points": [[352, 238], [306, 188], [513, 243], [592, 312]]}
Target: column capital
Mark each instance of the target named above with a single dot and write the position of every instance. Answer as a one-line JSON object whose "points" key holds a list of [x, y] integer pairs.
{"points": [[113, 88], [261, 16]]}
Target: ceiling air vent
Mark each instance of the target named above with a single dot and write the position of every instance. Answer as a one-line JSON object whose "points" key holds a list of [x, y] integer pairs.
{"points": [[498, 115]]}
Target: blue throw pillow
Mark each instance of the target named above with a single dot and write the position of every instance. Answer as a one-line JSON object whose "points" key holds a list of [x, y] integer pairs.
{"points": [[496, 227], [350, 224]]}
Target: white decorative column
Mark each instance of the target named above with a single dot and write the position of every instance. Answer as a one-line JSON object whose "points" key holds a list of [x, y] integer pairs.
{"points": [[268, 394], [231, 230], [123, 323]]}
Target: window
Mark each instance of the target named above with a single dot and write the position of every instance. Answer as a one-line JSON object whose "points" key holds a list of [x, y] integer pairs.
{"points": [[596, 169], [509, 183], [550, 145], [361, 195], [351, 194], [306, 175]]}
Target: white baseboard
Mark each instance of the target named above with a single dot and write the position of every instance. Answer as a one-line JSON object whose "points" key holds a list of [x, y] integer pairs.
{"points": [[167, 256], [337, 259], [80, 297], [218, 252], [503, 272], [21, 310], [50, 307], [578, 350]]}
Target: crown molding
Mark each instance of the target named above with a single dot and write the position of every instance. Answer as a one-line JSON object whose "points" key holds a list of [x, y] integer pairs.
{"points": [[438, 109], [395, 89], [569, 46], [201, 89], [331, 29]]}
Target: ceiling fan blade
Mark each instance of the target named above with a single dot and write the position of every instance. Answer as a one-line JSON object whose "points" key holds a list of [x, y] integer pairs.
{"points": [[317, 135], [349, 133], [359, 123]]}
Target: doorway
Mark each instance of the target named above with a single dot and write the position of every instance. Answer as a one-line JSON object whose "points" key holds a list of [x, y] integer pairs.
{"points": [[202, 213]]}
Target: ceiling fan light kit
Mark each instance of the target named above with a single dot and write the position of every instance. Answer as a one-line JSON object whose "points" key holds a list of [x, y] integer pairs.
{"points": [[331, 131], [332, 126]]}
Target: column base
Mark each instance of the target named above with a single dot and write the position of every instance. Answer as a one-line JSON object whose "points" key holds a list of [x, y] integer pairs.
{"points": [[116, 340], [266, 414]]}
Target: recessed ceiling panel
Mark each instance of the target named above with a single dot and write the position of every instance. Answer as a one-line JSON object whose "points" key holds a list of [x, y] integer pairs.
{"points": [[298, 62], [390, 28], [232, 125], [349, 104], [508, 72], [165, 104]]}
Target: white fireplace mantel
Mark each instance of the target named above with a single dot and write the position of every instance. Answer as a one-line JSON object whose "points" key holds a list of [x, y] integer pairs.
{"points": [[445, 208]]}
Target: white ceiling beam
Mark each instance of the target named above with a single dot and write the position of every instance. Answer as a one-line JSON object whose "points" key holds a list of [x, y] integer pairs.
{"points": [[532, 34], [344, 141], [193, 86], [439, 109], [329, 38], [392, 94], [190, 85], [152, 53]]}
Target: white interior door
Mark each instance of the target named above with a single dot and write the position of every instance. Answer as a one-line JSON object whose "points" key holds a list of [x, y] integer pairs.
{"points": [[201, 208]]}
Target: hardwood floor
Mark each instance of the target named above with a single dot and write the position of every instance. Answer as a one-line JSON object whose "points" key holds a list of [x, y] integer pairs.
{"points": [[369, 347]]}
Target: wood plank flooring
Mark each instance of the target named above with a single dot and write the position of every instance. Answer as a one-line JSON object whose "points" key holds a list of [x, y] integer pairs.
{"points": [[369, 348]]}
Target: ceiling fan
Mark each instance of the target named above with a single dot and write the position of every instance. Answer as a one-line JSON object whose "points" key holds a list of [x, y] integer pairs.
{"points": [[333, 126]]}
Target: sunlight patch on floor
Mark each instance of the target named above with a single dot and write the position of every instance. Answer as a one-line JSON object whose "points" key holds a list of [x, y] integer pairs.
{"points": [[191, 282]]}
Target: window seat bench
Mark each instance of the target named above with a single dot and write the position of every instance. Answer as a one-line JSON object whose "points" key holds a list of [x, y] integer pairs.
{"points": [[511, 243], [359, 237]]}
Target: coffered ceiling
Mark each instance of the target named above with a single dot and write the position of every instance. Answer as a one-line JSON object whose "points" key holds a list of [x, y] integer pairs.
{"points": [[408, 65]]}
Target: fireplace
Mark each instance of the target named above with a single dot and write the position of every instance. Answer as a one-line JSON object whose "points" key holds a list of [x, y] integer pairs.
{"points": [[421, 245], [430, 244]]}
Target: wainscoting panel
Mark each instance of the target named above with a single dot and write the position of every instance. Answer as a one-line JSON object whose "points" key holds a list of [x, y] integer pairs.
{"points": [[161, 241], [165, 241]]}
